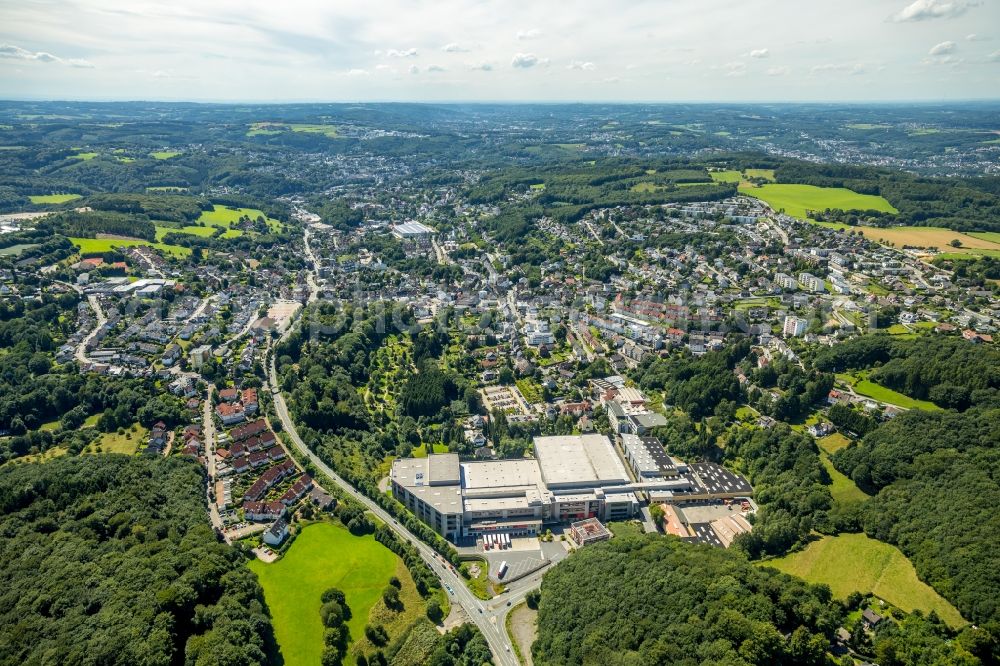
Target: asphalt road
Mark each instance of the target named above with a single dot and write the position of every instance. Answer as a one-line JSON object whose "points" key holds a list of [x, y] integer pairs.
{"points": [[488, 616]]}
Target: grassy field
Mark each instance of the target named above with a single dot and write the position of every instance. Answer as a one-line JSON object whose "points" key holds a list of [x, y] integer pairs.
{"points": [[324, 555], [164, 154], [102, 245], [797, 199], [983, 243], [192, 229], [270, 129], [167, 188], [83, 156], [224, 216], [421, 451], [728, 176], [53, 198], [111, 442], [765, 174], [833, 443], [883, 394], [530, 389], [16, 249], [853, 562], [843, 490]]}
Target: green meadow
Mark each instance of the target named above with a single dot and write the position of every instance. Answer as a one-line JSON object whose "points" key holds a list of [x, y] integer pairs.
{"points": [[797, 199], [324, 555], [83, 156], [728, 176], [225, 216], [854, 563], [164, 154], [53, 198], [102, 245]]}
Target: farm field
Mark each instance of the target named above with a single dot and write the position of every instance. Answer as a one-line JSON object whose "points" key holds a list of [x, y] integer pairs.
{"points": [[324, 555], [83, 156], [224, 216], [164, 154], [102, 245], [270, 129], [192, 229], [53, 198], [167, 188], [853, 562], [797, 199], [766, 174], [728, 176]]}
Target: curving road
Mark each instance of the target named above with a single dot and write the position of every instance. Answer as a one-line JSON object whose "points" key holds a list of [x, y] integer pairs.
{"points": [[489, 617]]}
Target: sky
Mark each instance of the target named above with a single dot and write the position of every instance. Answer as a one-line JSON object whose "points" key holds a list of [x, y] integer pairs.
{"points": [[508, 51]]}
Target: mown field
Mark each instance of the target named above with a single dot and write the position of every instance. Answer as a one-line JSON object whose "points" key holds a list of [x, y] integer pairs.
{"points": [[796, 200], [102, 245], [854, 563], [53, 198], [164, 154], [224, 216], [324, 555]]}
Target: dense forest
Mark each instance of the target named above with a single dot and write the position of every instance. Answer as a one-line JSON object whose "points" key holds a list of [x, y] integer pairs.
{"points": [[936, 475], [638, 600], [109, 560], [946, 370], [696, 384]]}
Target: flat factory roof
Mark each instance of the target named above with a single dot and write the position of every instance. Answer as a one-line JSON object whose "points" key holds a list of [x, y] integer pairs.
{"points": [[579, 461]]}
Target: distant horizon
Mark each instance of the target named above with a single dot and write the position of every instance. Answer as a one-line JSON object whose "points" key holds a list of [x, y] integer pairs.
{"points": [[642, 51], [501, 102]]}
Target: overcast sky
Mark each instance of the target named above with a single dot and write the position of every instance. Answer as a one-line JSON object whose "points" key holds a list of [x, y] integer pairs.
{"points": [[509, 50]]}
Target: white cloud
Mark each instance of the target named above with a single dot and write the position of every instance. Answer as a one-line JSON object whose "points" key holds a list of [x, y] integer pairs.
{"points": [[778, 71], [12, 52], [579, 64], [760, 53], [356, 72], [920, 10], [944, 48], [482, 67], [839, 68], [527, 60], [414, 69], [395, 53], [995, 56], [533, 33], [454, 47], [435, 68], [735, 68]]}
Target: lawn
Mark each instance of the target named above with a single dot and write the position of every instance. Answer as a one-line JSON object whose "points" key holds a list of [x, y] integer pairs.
{"points": [[324, 555], [833, 443], [226, 216], [83, 156], [797, 199], [883, 394], [853, 562], [421, 451], [102, 245], [164, 154], [53, 198], [14, 250], [111, 442]]}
